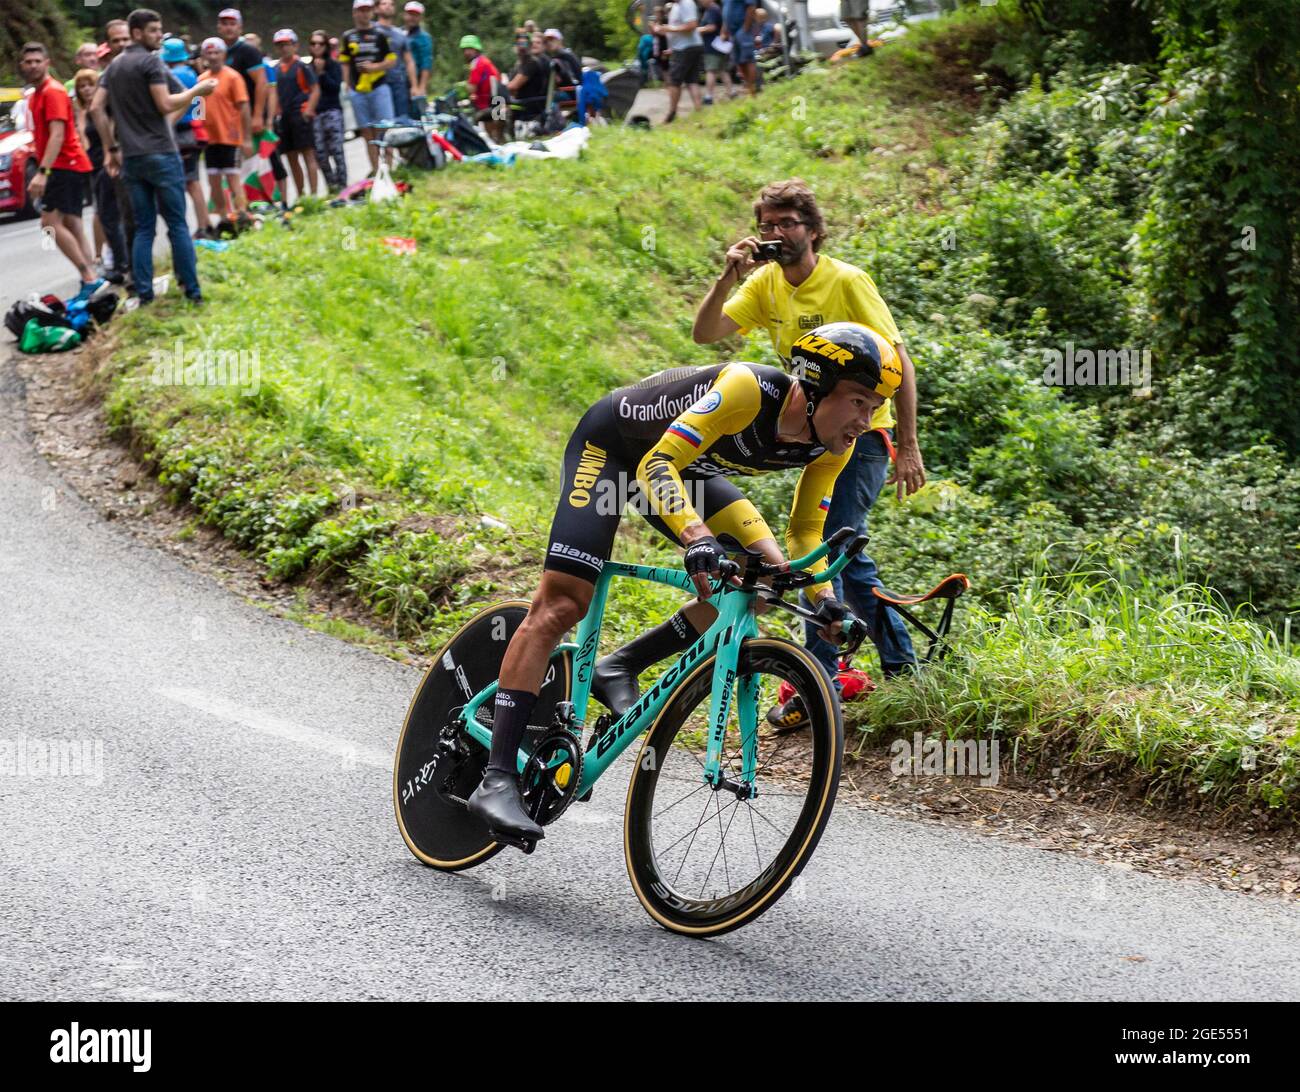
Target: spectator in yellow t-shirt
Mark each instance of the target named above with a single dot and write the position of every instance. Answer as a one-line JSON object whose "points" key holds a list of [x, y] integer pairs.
{"points": [[787, 296]]}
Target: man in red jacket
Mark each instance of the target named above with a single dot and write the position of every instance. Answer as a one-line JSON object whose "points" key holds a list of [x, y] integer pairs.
{"points": [[63, 169]]}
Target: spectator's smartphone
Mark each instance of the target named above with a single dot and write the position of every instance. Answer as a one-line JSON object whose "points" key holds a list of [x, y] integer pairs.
{"points": [[767, 252]]}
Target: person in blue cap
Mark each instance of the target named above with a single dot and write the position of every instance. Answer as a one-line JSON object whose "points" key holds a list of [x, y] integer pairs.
{"points": [[190, 137]]}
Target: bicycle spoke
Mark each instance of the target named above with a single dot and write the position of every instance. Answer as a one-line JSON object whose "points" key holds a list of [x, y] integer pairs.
{"points": [[781, 763], [674, 804], [766, 819], [692, 842], [722, 848], [758, 858]]}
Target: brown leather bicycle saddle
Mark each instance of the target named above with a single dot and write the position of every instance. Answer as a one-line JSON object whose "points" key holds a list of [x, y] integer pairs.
{"points": [[950, 587]]}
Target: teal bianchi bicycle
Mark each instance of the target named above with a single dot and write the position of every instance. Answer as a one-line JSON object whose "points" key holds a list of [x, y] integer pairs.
{"points": [[723, 811]]}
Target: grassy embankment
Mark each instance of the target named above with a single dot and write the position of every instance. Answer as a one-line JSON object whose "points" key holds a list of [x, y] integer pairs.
{"points": [[402, 399]]}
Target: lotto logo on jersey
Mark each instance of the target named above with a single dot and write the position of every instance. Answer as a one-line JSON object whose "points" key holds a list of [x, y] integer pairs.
{"points": [[708, 403], [686, 433]]}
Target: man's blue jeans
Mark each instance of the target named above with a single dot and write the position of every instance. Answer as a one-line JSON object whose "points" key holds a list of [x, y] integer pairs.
{"points": [[855, 492], [157, 185]]}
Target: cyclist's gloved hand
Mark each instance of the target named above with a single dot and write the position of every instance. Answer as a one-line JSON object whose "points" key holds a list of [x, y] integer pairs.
{"points": [[831, 611], [703, 557]]}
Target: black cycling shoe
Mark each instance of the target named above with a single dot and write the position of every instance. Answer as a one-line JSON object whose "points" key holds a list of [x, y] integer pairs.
{"points": [[790, 716], [614, 685], [496, 801]]}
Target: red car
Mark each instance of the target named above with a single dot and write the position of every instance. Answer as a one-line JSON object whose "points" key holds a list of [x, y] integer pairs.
{"points": [[17, 154]]}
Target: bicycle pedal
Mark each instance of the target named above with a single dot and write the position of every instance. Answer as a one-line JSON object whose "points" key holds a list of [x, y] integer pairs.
{"points": [[585, 798], [525, 844]]}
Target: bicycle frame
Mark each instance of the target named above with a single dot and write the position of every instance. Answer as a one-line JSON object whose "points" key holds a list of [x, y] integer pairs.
{"points": [[735, 622]]}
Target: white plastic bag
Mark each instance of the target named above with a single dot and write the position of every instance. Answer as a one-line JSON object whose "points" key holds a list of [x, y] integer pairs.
{"points": [[383, 188]]}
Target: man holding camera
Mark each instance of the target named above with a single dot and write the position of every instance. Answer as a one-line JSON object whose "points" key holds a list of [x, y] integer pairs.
{"points": [[794, 289]]}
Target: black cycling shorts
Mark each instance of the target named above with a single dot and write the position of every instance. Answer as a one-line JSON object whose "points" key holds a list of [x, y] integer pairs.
{"points": [[295, 133], [218, 158], [600, 481], [65, 191]]}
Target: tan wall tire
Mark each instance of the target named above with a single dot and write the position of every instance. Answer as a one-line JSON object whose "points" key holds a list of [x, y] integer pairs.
{"points": [[677, 910]]}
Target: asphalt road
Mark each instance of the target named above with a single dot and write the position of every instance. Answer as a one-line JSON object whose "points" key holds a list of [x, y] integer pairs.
{"points": [[241, 844]]}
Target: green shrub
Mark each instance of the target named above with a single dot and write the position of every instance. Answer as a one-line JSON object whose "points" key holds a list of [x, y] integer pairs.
{"points": [[1101, 671]]}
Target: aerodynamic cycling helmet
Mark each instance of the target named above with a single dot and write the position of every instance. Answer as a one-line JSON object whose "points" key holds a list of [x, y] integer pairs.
{"points": [[844, 350]]}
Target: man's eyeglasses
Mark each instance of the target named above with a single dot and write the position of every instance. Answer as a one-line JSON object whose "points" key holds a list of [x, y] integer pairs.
{"points": [[770, 227]]}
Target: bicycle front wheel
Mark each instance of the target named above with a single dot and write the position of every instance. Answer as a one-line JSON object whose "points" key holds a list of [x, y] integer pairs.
{"points": [[704, 862]]}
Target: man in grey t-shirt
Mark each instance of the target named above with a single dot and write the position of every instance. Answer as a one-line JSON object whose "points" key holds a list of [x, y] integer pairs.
{"points": [[127, 84], [686, 61], [140, 146]]}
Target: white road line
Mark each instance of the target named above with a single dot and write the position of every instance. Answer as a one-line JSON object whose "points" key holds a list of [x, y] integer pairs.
{"points": [[277, 726]]}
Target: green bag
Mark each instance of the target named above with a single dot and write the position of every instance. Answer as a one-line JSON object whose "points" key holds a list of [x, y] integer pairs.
{"points": [[47, 339]]}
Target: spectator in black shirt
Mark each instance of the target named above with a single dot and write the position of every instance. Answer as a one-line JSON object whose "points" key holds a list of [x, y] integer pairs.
{"points": [[298, 96], [568, 69], [367, 55], [528, 81], [112, 203], [327, 127], [84, 84], [246, 59]]}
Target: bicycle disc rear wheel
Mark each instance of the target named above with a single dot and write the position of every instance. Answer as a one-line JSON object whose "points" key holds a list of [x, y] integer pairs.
{"points": [[428, 782], [704, 862]]}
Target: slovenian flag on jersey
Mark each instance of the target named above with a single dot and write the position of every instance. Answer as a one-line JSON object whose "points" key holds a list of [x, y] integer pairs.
{"points": [[825, 505], [686, 433]]}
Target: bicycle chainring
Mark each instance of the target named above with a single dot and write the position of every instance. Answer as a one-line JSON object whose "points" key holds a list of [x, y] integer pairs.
{"points": [[550, 780]]}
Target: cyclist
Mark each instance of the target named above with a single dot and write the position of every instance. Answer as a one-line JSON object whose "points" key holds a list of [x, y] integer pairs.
{"points": [[679, 434]]}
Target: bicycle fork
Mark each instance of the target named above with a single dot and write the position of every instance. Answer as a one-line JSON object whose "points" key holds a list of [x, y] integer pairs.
{"points": [[725, 689]]}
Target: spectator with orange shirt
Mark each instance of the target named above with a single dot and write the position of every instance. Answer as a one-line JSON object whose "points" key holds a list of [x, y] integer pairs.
{"points": [[229, 122]]}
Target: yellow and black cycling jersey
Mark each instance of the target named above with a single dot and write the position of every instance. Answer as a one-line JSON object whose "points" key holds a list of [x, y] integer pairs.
{"points": [[668, 447], [357, 45]]}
